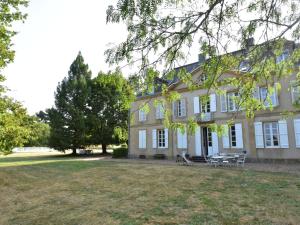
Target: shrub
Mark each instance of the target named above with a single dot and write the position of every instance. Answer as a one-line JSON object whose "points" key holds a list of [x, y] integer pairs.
{"points": [[120, 153]]}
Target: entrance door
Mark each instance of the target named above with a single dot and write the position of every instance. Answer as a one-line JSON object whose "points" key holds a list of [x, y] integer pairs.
{"points": [[207, 141]]}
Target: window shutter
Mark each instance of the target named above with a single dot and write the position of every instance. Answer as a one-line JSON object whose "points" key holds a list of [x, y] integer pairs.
{"points": [[183, 107], [166, 138], [297, 132], [196, 105], [179, 138], [158, 111], [239, 135], [215, 143], [259, 136], [140, 139], [256, 93], [225, 137], [174, 104], [198, 141], [213, 103], [223, 100], [275, 95], [184, 139], [154, 139], [283, 132]]}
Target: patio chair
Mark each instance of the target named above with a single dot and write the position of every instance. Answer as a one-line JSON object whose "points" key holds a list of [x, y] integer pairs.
{"points": [[214, 162], [186, 161], [207, 160], [179, 160], [241, 160]]}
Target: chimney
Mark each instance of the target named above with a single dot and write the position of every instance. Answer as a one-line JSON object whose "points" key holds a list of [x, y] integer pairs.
{"points": [[249, 42]]}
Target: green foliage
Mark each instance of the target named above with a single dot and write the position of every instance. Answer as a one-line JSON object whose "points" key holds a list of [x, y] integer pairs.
{"points": [[15, 124], [108, 105], [9, 13], [161, 32], [120, 153], [40, 133], [68, 119]]}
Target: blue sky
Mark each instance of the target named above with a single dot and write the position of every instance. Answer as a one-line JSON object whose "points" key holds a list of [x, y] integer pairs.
{"points": [[49, 40]]}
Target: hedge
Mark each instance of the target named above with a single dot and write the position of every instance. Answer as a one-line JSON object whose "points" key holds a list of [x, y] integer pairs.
{"points": [[120, 153]]}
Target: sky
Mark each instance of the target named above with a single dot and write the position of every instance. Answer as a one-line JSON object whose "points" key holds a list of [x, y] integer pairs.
{"points": [[48, 42]]}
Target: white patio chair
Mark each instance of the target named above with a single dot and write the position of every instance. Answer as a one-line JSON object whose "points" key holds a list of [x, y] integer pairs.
{"points": [[241, 160]]}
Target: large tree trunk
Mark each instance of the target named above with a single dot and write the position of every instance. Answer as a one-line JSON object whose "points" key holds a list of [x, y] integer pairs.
{"points": [[74, 151], [104, 147]]}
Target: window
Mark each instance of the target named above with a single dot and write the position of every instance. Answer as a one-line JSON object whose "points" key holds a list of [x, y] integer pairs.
{"points": [[264, 95], [159, 111], [142, 115], [181, 108], [233, 136], [209, 137], [231, 100], [205, 106], [295, 94], [282, 57], [271, 134], [244, 66], [142, 139], [161, 138], [203, 77]]}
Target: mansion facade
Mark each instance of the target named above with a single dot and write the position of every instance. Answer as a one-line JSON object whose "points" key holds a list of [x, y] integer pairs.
{"points": [[268, 135]]}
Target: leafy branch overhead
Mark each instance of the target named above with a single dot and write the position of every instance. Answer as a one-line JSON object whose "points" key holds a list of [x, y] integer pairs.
{"points": [[161, 34]]}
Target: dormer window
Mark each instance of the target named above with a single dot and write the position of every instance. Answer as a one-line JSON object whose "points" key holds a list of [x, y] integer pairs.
{"points": [[282, 57], [203, 77], [244, 66]]}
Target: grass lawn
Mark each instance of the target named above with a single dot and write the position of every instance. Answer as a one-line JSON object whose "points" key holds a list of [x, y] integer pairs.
{"points": [[64, 190]]}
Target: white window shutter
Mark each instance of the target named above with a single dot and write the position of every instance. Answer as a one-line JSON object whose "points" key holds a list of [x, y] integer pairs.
{"points": [[179, 138], [283, 132], [275, 95], [166, 138], [196, 105], [174, 106], [259, 135], [225, 137], [215, 143], [198, 146], [297, 132], [213, 103], [184, 139], [157, 112], [140, 139], [183, 107], [154, 138], [223, 100], [239, 135]]}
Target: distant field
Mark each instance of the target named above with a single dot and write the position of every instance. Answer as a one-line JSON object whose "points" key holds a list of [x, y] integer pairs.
{"points": [[55, 189]]}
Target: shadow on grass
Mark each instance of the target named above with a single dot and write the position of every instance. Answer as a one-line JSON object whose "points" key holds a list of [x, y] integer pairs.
{"points": [[9, 161]]}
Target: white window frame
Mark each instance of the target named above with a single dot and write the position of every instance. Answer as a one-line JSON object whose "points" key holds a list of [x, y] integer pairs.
{"points": [[181, 109], [205, 106], [142, 115], [283, 56], [264, 99], [271, 134], [161, 138], [231, 96]]}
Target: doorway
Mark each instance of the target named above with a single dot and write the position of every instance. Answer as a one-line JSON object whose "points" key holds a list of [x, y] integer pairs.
{"points": [[207, 141]]}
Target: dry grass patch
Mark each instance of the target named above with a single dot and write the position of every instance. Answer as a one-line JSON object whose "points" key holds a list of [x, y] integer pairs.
{"points": [[62, 190]]}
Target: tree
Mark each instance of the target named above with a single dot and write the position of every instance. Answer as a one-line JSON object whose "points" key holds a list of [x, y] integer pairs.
{"points": [[108, 105], [164, 31], [40, 133], [68, 117], [14, 125], [9, 13]]}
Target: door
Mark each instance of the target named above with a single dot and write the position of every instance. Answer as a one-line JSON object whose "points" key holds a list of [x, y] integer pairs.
{"points": [[207, 141]]}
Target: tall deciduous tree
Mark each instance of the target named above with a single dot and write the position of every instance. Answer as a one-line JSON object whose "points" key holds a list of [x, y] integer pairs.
{"points": [[109, 103], [68, 117]]}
